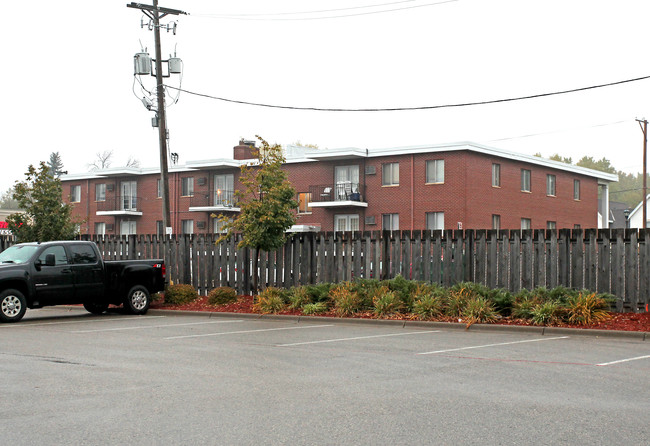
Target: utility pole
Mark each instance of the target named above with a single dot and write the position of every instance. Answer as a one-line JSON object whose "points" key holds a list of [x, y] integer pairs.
{"points": [[155, 13], [644, 129]]}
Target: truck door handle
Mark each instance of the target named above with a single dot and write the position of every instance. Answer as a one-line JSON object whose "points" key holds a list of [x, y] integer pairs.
{"points": [[66, 271]]}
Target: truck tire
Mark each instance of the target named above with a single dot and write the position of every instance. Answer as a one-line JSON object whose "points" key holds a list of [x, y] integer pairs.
{"points": [[137, 300], [12, 305], [95, 307]]}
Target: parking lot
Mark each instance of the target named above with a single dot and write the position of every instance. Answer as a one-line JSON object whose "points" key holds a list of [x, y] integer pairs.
{"points": [[68, 377]]}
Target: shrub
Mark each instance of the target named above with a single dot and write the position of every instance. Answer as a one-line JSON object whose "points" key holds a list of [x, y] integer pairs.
{"points": [[477, 310], [298, 296], [502, 301], [546, 313], [386, 303], [366, 289], [179, 294], [319, 292], [459, 295], [402, 288], [346, 301], [315, 308], [428, 306], [222, 295], [271, 300], [587, 308]]}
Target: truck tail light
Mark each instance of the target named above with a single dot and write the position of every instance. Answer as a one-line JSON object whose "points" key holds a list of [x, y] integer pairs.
{"points": [[163, 267]]}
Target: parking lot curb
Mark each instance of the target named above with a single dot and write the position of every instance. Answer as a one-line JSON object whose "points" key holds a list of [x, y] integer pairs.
{"points": [[543, 331]]}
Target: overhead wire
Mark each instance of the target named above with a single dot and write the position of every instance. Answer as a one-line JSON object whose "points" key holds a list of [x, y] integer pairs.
{"points": [[254, 18], [427, 107]]}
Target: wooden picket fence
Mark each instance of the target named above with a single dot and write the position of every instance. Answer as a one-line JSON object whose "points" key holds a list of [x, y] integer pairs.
{"points": [[613, 261]]}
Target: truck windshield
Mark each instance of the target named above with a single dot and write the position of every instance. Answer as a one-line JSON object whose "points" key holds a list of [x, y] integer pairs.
{"points": [[17, 254]]}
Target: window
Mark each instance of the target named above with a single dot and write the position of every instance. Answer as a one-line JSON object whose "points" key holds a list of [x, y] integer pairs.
{"points": [[75, 194], [525, 180], [187, 186], [346, 222], [224, 187], [100, 228], [496, 221], [159, 227], [390, 222], [435, 220], [219, 226], [496, 175], [303, 203], [129, 195], [158, 188], [347, 181], [525, 223], [551, 225], [435, 171], [550, 185], [576, 226], [390, 174], [100, 192], [128, 227], [187, 226], [576, 189], [83, 254], [60, 258]]}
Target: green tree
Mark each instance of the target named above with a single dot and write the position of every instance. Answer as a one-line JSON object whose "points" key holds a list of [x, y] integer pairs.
{"points": [[7, 200], [46, 217], [268, 204], [604, 165], [55, 164]]}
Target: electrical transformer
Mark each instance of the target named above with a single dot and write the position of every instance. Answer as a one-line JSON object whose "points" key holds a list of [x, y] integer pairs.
{"points": [[175, 65], [142, 63]]}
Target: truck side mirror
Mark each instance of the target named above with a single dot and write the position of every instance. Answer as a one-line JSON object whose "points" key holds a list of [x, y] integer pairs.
{"points": [[50, 260]]}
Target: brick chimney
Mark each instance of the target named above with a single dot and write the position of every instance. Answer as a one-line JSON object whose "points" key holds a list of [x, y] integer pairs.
{"points": [[244, 151]]}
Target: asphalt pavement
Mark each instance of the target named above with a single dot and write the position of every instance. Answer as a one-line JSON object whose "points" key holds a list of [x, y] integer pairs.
{"points": [[68, 377]]}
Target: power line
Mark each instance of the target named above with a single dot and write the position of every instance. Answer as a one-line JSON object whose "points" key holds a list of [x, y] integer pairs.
{"points": [[530, 135], [428, 107], [260, 17]]}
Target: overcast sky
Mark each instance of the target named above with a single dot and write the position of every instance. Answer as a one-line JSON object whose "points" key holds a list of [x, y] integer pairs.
{"points": [[69, 85]]}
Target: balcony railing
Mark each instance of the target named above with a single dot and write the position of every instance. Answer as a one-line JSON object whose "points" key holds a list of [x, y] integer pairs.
{"points": [[218, 199], [121, 204], [343, 191]]}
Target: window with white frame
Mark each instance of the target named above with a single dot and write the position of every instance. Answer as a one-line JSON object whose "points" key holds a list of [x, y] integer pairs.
{"points": [[435, 220], [550, 185], [100, 192], [496, 175], [576, 189], [303, 203], [435, 171], [100, 228], [75, 194], [187, 226], [525, 223], [219, 226], [525, 180], [158, 188], [390, 222], [551, 225], [390, 174], [496, 221], [346, 222], [187, 186], [160, 230]]}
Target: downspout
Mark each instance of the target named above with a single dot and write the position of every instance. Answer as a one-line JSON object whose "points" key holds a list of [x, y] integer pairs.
{"points": [[412, 192], [88, 206]]}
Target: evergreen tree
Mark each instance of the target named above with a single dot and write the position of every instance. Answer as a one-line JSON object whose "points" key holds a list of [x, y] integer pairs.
{"points": [[55, 164], [46, 217]]}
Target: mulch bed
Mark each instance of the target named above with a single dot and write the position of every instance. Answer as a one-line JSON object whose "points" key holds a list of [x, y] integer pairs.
{"points": [[618, 321]]}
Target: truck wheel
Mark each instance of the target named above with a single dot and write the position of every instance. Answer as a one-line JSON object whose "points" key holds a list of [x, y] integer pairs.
{"points": [[12, 305], [95, 307], [137, 300]]}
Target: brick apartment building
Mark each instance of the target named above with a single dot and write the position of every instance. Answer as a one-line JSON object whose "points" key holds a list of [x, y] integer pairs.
{"points": [[463, 185]]}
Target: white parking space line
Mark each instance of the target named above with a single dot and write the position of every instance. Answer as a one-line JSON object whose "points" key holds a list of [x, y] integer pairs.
{"points": [[26, 324], [355, 338], [492, 345], [624, 360], [245, 331], [140, 327]]}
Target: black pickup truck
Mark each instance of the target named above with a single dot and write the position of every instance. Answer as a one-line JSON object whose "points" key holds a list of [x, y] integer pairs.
{"points": [[34, 275]]}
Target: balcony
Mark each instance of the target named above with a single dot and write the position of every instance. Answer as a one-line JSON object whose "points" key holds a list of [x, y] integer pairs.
{"points": [[120, 205], [342, 194], [219, 200]]}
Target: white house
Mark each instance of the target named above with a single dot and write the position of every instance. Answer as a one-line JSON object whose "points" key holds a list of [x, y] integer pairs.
{"points": [[636, 216]]}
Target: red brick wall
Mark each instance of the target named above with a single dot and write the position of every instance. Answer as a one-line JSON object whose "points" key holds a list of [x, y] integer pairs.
{"points": [[466, 196]]}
